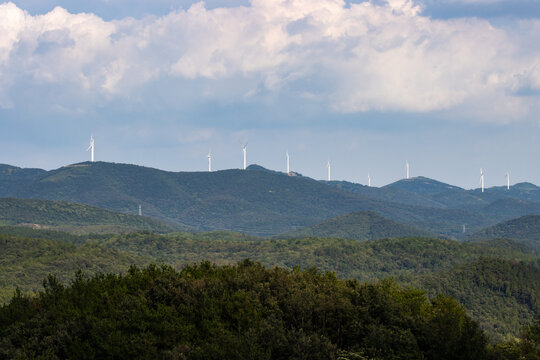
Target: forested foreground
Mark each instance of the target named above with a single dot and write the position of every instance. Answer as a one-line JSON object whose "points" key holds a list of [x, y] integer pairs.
{"points": [[242, 311]]}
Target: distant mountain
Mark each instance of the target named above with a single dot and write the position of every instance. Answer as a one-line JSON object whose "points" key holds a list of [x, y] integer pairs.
{"points": [[393, 194], [525, 230], [496, 203], [364, 225], [422, 185], [256, 201], [71, 217]]}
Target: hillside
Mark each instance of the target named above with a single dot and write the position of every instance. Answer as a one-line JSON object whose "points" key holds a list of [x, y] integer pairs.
{"points": [[422, 185], [525, 230], [502, 294], [364, 225], [25, 262], [28, 261], [255, 201], [235, 312], [498, 202], [71, 217], [363, 260]]}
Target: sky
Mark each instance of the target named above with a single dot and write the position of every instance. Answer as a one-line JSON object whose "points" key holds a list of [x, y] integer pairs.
{"points": [[451, 86]]}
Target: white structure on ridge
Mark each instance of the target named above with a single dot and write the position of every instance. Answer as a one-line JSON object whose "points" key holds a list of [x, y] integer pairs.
{"points": [[244, 152], [482, 179], [329, 167], [368, 180], [288, 162], [140, 210], [209, 156], [91, 148], [507, 181], [407, 167]]}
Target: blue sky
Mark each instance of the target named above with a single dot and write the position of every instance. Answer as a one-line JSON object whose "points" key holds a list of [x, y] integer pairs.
{"points": [[449, 85]]}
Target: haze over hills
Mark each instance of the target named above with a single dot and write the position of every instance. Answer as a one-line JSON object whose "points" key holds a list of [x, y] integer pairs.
{"points": [[525, 230], [255, 201], [72, 217], [264, 202], [428, 192], [364, 225]]}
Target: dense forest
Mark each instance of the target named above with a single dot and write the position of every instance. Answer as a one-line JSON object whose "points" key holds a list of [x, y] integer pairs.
{"points": [[525, 229], [243, 311], [72, 217], [256, 201], [419, 262], [364, 225], [234, 312]]}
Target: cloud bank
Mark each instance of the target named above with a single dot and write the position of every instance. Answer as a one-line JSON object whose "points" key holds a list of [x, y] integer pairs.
{"points": [[355, 58]]}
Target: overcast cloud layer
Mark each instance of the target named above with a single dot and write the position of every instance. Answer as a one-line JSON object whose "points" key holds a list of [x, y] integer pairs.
{"points": [[364, 57], [301, 64]]}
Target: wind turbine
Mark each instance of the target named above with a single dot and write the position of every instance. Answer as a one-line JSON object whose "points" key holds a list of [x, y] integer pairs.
{"points": [[329, 168], [368, 180], [244, 152], [209, 156], [91, 148], [140, 210], [507, 181], [407, 167], [482, 179], [288, 162]]}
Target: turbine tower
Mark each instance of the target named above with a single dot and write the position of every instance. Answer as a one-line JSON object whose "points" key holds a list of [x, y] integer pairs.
{"points": [[288, 163], [507, 181], [244, 152], [91, 148], [209, 156], [329, 168], [482, 179], [407, 167], [140, 210], [368, 180]]}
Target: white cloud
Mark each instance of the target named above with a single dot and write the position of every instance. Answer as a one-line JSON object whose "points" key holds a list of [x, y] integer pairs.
{"points": [[351, 59]]}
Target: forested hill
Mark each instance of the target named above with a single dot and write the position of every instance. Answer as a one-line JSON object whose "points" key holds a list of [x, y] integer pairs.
{"points": [[497, 202], [525, 229], [364, 225], [26, 261], [61, 215], [501, 294], [235, 312], [255, 201]]}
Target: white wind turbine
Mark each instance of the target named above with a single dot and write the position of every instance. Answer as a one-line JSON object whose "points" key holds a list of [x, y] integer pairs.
{"points": [[368, 180], [407, 167], [288, 162], [328, 166], [209, 156], [91, 148], [244, 152], [507, 181], [482, 179]]}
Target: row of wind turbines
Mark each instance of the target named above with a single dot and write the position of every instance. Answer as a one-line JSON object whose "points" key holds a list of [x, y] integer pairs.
{"points": [[288, 159]]}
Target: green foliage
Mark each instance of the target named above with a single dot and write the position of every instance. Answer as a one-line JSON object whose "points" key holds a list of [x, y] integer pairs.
{"points": [[502, 294], [525, 229], [365, 225], [525, 348], [71, 217], [234, 312], [256, 202], [24, 262], [363, 260]]}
